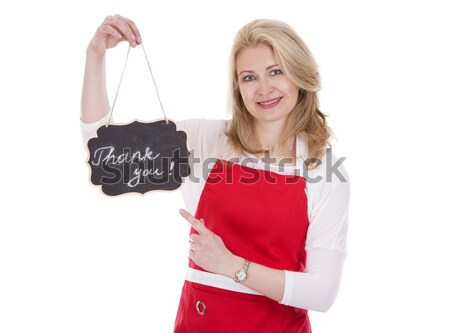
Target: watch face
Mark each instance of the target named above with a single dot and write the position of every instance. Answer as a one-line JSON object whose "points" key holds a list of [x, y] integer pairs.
{"points": [[241, 275]]}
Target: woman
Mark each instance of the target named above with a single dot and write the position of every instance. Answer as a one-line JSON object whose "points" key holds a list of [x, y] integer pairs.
{"points": [[269, 229]]}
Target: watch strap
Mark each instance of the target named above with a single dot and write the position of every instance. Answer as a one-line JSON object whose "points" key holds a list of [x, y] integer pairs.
{"points": [[243, 269]]}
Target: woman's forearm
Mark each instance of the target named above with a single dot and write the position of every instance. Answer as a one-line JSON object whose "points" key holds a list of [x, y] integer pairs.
{"points": [[94, 97], [264, 280], [315, 289]]}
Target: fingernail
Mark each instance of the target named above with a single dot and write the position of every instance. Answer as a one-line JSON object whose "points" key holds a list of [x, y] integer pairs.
{"points": [[139, 39], [182, 211]]}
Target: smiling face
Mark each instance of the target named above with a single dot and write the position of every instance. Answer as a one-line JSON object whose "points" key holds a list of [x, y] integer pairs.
{"points": [[268, 94]]}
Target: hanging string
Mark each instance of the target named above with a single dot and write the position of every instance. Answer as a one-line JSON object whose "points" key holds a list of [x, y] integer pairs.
{"points": [[118, 86], [154, 83], [120, 83]]}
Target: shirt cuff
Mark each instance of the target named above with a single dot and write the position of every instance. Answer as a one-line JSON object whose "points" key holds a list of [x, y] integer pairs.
{"points": [[288, 287]]}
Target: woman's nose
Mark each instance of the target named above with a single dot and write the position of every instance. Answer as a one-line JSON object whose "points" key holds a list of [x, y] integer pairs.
{"points": [[265, 87]]}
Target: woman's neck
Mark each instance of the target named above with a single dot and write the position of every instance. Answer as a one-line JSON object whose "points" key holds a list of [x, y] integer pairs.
{"points": [[268, 137]]}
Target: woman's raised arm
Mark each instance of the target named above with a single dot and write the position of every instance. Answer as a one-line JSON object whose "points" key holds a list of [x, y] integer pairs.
{"points": [[94, 98]]}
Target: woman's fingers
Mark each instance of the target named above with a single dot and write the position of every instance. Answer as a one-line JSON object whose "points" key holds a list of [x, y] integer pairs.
{"points": [[133, 28], [109, 37], [198, 225], [108, 30], [112, 31], [194, 238], [206, 249], [126, 31]]}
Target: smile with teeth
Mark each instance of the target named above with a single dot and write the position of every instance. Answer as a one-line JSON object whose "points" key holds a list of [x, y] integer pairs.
{"points": [[269, 103]]}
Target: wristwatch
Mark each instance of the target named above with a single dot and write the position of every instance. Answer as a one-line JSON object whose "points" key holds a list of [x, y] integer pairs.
{"points": [[242, 273]]}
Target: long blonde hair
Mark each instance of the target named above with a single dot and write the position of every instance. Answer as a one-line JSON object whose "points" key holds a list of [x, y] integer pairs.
{"points": [[297, 62]]}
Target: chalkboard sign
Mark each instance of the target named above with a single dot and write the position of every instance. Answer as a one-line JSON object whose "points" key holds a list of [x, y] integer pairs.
{"points": [[138, 157]]}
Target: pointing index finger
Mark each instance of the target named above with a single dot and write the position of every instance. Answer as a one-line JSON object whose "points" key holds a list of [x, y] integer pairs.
{"points": [[196, 224]]}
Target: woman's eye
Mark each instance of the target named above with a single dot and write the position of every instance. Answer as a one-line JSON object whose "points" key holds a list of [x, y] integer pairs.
{"points": [[248, 78], [276, 72]]}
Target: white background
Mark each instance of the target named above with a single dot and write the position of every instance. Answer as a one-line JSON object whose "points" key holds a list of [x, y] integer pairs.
{"points": [[74, 260]]}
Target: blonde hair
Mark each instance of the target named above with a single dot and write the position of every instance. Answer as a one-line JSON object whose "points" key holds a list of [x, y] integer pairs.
{"points": [[298, 64]]}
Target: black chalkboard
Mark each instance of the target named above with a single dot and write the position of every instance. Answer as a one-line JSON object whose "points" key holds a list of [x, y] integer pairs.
{"points": [[138, 157]]}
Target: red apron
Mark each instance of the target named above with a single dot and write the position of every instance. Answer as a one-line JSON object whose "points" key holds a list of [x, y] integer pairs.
{"points": [[261, 216]]}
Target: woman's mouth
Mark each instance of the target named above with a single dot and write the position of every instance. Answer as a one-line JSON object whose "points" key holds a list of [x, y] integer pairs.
{"points": [[270, 103]]}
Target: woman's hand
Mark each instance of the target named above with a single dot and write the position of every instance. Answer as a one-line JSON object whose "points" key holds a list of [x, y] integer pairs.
{"points": [[112, 31], [208, 251]]}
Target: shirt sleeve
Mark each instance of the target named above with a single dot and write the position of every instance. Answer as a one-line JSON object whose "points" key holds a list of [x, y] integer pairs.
{"points": [[328, 191], [89, 130]]}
